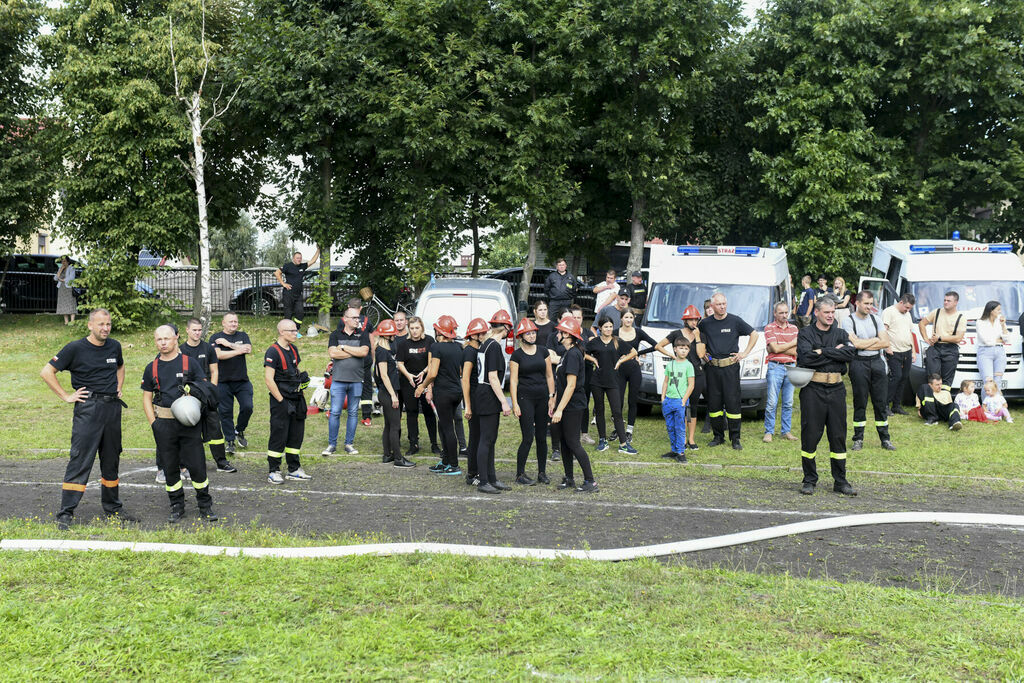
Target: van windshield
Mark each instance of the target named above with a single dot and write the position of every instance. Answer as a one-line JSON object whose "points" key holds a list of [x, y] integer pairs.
{"points": [[973, 295], [668, 300]]}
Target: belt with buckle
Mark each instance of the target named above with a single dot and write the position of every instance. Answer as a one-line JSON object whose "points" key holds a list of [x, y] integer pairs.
{"points": [[163, 413], [827, 377], [723, 362]]}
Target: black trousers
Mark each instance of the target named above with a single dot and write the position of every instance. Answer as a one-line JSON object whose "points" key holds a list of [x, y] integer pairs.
{"points": [[571, 446], [474, 445], [558, 306], [446, 407], [588, 375], [868, 380], [485, 449], [391, 436], [941, 359], [699, 388], [287, 429], [228, 392], [533, 422], [213, 437], [182, 446], [630, 378], [932, 409], [723, 399], [366, 400], [823, 407], [413, 407], [293, 304], [615, 401], [899, 375], [95, 428]]}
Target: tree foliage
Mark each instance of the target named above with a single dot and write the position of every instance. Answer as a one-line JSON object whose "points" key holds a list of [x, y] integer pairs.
{"points": [[236, 245]]}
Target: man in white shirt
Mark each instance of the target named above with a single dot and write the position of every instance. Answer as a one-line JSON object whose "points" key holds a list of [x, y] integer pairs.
{"points": [[606, 291], [900, 354]]}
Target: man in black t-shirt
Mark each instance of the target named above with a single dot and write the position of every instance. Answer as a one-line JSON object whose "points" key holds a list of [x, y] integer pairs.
{"points": [[721, 333], [233, 383], [290, 276], [97, 376], [206, 356], [285, 382], [637, 290]]}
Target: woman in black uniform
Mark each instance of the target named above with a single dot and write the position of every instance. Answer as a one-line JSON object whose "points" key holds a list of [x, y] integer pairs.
{"points": [[607, 355], [533, 399], [411, 354], [476, 331], [489, 402], [689, 332], [629, 368], [545, 326], [443, 387], [385, 369], [571, 403]]}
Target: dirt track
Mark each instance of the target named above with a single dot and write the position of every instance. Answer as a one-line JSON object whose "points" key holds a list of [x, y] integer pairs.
{"points": [[637, 506]]}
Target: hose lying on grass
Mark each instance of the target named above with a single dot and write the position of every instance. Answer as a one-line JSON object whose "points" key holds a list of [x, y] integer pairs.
{"points": [[606, 555]]}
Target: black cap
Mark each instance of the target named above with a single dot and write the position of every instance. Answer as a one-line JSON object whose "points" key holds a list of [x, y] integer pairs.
{"points": [[637, 273]]}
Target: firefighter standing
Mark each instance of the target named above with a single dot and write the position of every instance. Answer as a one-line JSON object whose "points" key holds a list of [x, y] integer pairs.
{"points": [[826, 348], [721, 333], [97, 376], [948, 327], [868, 371], [560, 288], [637, 289], [163, 381], [290, 277], [287, 404], [206, 357]]}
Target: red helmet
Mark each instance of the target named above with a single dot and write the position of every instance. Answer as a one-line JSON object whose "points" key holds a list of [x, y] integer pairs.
{"points": [[570, 326], [447, 326], [525, 325], [691, 313], [477, 326], [387, 328], [501, 318]]}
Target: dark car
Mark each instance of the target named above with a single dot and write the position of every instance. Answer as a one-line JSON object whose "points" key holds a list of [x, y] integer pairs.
{"points": [[584, 292], [267, 297], [28, 284]]}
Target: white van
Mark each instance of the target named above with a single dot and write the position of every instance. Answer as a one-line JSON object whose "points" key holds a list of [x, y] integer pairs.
{"points": [[465, 298], [977, 272], [753, 279]]}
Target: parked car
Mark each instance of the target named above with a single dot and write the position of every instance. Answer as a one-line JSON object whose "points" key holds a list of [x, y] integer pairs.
{"points": [[584, 291], [267, 297], [29, 287]]}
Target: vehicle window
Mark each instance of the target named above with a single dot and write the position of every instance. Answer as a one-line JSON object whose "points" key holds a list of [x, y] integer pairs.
{"points": [[973, 297], [668, 301]]}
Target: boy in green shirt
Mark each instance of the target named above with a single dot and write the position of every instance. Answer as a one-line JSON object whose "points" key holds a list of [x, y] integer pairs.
{"points": [[675, 396]]}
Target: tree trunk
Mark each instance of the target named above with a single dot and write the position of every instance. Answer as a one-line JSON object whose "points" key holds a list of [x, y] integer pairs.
{"points": [[474, 226], [198, 171], [636, 235], [323, 317], [531, 262]]}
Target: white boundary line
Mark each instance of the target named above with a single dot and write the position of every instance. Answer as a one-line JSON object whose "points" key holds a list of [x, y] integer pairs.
{"points": [[606, 555]]}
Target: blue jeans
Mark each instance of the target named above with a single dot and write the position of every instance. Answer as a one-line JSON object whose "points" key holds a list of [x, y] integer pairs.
{"points": [[778, 382], [674, 411], [991, 361], [339, 390]]}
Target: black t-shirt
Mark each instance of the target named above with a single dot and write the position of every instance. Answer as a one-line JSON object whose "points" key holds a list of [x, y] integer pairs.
{"points": [[634, 343], [289, 371], [695, 360], [533, 383], [203, 354], [490, 358], [413, 354], [231, 369], [387, 356], [449, 368], [722, 337], [293, 275], [93, 367], [171, 378], [572, 363], [637, 295], [607, 355], [545, 332]]}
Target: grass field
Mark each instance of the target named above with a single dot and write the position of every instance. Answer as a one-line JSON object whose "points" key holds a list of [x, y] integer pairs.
{"points": [[148, 616]]}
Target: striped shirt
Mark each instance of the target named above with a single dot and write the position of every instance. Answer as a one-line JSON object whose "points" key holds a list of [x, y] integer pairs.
{"points": [[775, 333]]}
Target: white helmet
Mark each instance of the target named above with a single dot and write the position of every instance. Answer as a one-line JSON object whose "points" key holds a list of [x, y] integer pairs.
{"points": [[321, 398], [187, 410], [799, 377]]}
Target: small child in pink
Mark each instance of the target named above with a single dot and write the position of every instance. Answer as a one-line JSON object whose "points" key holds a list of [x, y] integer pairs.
{"points": [[995, 404], [966, 399]]}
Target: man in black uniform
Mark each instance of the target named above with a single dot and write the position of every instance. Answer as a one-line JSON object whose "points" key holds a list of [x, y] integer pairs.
{"points": [[163, 381], [825, 348], [948, 327], [560, 288], [206, 357], [868, 370], [637, 290], [293, 273], [287, 404], [721, 333], [232, 345], [97, 376]]}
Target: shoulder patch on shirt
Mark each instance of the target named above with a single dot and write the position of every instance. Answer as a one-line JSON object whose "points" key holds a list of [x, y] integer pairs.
{"points": [[111, 360]]}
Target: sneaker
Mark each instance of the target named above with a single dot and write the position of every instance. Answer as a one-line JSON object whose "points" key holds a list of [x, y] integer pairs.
{"points": [[956, 426], [593, 421], [587, 439], [888, 445], [472, 480], [524, 480], [414, 448], [567, 483], [614, 436], [229, 447], [275, 478], [227, 467], [366, 422], [386, 459], [844, 489], [63, 522], [350, 449], [930, 421], [588, 487], [680, 457], [402, 462], [602, 445], [501, 486], [298, 475], [452, 470], [668, 454], [691, 446], [161, 478], [464, 452], [1010, 420], [435, 449], [627, 448], [240, 437], [737, 446], [767, 438], [807, 489], [556, 455], [438, 467], [715, 442], [185, 475], [542, 478], [487, 488], [330, 450], [857, 445], [788, 436], [177, 514]]}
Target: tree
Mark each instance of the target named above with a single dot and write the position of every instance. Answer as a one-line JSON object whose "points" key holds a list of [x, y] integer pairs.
{"points": [[278, 249], [507, 251], [235, 246]]}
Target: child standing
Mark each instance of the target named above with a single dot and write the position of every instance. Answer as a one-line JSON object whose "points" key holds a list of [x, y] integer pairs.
{"points": [[675, 396], [995, 404], [966, 399]]}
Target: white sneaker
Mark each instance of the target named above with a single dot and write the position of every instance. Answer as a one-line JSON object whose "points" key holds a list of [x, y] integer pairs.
{"points": [[161, 478], [330, 450], [350, 449], [587, 439], [275, 478], [298, 475]]}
